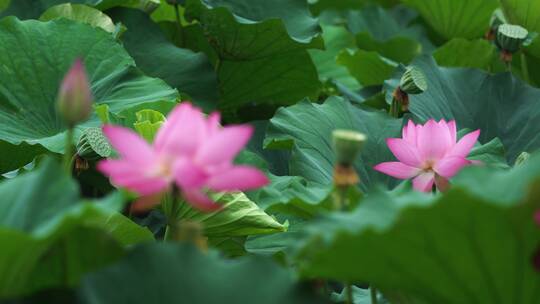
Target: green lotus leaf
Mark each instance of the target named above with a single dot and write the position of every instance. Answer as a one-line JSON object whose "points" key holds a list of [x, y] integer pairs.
{"points": [[190, 72], [336, 39], [456, 18], [460, 52], [256, 41], [81, 13], [50, 237], [179, 272], [369, 68], [33, 61]]}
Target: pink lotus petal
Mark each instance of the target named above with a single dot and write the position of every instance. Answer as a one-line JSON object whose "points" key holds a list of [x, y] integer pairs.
{"points": [[443, 127], [187, 174], [450, 165], [117, 167], [183, 132], [433, 141], [424, 181], [465, 144], [212, 124], [397, 170], [238, 178], [404, 152], [132, 177], [143, 186], [224, 145], [200, 200], [129, 145], [409, 133], [453, 131]]}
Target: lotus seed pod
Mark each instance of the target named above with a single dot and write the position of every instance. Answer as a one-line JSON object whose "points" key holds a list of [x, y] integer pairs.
{"points": [[148, 6], [93, 145], [522, 158], [74, 101], [511, 37], [496, 19], [413, 81], [347, 145]]}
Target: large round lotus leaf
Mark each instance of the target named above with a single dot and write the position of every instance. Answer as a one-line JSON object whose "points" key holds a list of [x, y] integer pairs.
{"points": [[81, 13], [456, 18], [499, 105], [179, 273], [34, 56]]}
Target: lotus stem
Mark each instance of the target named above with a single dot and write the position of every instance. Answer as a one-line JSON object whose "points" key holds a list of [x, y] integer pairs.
{"points": [[68, 151], [524, 67], [177, 13], [349, 293], [373, 293]]}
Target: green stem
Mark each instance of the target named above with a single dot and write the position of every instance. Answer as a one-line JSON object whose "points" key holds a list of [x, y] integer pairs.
{"points": [[68, 151], [524, 67], [177, 12], [373, 293], [349, 294], [171, 212], [508, 65], [168, 234], [394, 108], [342, 198]]}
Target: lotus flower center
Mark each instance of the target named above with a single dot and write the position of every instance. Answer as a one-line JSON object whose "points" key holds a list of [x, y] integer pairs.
{"points": [[428, 165]]}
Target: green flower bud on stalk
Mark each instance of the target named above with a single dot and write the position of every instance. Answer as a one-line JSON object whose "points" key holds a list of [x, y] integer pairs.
{"points": [[74, 101], [511, 37], [347, 145], [93, 145]]}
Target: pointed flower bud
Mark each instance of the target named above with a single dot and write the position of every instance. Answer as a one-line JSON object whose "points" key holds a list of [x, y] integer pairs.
{"points": [[347, 145], [93, 145], [413, 81], [511, 37], [74, 101]]}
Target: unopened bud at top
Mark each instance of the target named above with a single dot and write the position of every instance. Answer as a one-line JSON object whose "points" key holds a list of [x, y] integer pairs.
{"points": [[413, 81], [511, 37], [347, 144], [75, 97]]}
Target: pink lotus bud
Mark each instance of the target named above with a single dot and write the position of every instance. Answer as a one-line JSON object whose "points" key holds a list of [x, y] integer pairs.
{"points": [[75, 98]]}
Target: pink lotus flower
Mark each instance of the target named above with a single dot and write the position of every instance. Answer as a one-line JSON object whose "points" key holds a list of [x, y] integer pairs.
{"points": [[189, 150], [429, 154]]}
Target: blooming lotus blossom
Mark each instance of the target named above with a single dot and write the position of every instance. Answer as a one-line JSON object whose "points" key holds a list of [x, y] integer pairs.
{"points": [[429, 154], [189, 150]]}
